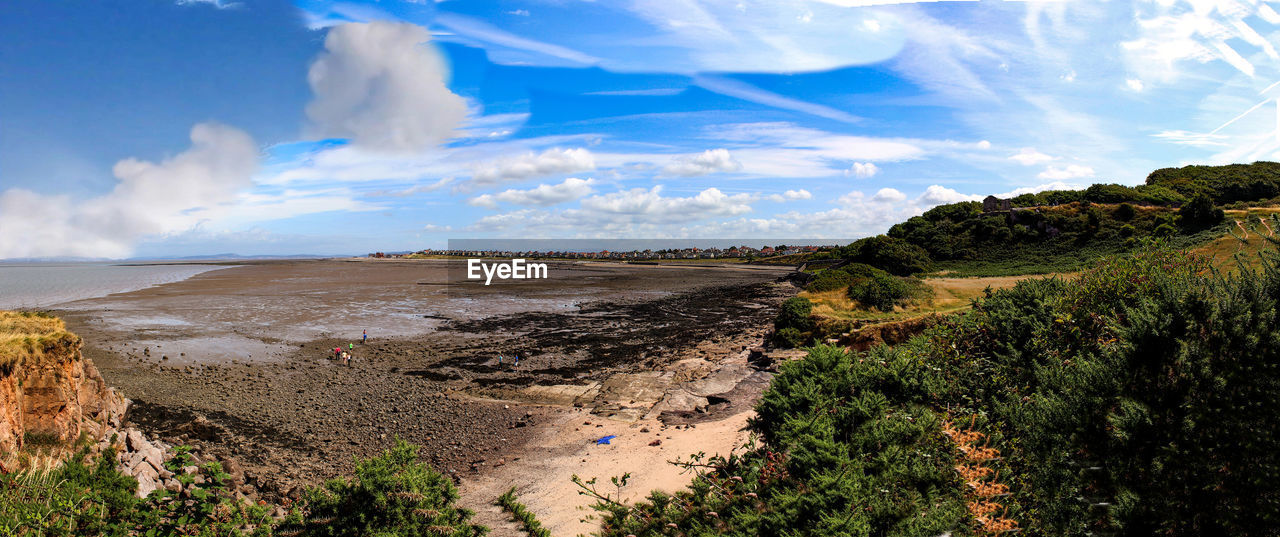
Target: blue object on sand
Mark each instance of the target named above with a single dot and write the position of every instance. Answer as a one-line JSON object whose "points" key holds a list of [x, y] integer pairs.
{"points": [[606, 439]]}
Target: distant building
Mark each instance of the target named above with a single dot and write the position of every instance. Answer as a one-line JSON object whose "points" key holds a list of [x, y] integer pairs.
{"points": [[993, 204]]}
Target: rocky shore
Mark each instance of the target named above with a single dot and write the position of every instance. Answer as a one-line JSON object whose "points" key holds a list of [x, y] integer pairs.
{"points": [[293, 416]]}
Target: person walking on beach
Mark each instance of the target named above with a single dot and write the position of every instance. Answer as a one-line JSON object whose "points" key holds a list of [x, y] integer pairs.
{"points": [[351, 347], [499, 360], [365, 337], [337, 352], [516, 363]]}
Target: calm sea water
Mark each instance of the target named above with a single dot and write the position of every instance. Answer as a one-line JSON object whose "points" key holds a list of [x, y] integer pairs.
{"points": [[41, 285]]}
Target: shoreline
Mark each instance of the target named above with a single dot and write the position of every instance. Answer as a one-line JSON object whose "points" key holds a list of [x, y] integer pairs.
{"points": [[296, 417]]}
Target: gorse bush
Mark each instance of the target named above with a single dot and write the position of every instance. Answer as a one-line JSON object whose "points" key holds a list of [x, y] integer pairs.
{"points": [[793, 324], [881, 292], [393, 495]]}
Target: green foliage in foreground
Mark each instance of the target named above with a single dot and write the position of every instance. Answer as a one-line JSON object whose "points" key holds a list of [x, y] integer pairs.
{"points": [[393, 495], [82, 498], [1138, 399], [510, 504]]}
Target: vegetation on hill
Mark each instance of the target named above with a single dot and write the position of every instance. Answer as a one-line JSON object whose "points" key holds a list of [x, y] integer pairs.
{"points": [[1136, 400]]}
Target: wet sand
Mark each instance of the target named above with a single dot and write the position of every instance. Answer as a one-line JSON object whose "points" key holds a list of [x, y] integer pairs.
{"points": [[239, 361]]}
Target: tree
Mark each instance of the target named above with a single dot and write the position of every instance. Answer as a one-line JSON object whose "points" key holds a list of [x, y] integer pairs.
{"points": [[1199, 213], [895, 256]]}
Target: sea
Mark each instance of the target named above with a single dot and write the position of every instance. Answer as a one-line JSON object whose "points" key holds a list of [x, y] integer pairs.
{"points": [[43, 285]]}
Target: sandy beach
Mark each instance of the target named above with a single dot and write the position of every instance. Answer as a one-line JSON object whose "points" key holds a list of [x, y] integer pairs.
{"points": [[240, 362]]}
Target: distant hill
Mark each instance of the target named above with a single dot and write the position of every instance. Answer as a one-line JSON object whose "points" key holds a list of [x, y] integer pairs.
{"points": [[1064, 230]]}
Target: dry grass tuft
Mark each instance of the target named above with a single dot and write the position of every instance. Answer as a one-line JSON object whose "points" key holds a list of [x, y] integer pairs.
{"points": [[30, 336]]}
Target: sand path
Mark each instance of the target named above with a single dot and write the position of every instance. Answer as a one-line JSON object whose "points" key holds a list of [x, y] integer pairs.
{"points": [[543, 474]]}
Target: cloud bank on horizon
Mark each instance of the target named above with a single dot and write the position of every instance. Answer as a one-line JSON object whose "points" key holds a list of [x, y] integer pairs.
{"points": [[399, 125]]}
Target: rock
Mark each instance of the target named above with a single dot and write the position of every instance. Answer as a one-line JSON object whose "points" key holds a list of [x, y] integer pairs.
{"points": [[135, 441], [146, 484], [172, 485]]}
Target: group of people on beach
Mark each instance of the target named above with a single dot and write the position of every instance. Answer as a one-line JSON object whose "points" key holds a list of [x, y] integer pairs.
{"points": [[345, 356], [515, 360]]}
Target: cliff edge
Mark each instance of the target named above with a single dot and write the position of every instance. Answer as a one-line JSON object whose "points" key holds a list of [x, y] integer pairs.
{"points": [[49, 393]]}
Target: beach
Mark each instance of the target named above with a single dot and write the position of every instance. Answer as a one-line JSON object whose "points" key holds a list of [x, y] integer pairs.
{"points": [[239, 362]]}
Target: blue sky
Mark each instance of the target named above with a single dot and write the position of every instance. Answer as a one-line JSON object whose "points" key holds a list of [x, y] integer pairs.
{"points": [[162, 127]]}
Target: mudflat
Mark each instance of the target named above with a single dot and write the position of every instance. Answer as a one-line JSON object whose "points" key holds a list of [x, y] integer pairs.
{"points": [[240, 361]]}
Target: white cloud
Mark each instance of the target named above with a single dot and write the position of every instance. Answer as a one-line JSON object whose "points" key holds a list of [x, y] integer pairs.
{"points": [[527, 165], [150, 198], [1070, 171], [381, 85], [889, 195], [862, 170], [1028, 156], [541, 196], [984, 144], [651, 206], [1056, 185], [709, 161], [625, 212], [790, 195], [1133, 84], [938, 195]]}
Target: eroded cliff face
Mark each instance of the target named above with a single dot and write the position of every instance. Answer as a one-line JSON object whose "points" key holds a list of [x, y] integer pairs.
{"points": [[50, 393]]}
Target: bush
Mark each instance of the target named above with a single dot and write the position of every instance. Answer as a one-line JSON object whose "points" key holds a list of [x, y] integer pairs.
{"points": [[1199, 213], [790, 338], [1125, 212], [793, 322], [880, 292], [390, 495]]}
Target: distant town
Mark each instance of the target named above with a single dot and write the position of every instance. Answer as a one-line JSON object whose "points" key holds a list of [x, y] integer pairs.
{"points": [[734, 252]]}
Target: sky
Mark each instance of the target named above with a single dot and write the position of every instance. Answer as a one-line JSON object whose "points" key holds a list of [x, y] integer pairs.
{"points": [[153, 128]]}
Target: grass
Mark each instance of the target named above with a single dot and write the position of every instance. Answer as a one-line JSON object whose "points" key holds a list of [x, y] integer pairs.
{"points": [[950, 294], [30, 336]]}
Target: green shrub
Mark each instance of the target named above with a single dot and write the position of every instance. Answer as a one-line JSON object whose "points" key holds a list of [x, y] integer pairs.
{"points": [[790, 338], [390, 495], [1125, 212], [795, 314], [1199, 213], [880, 292]]}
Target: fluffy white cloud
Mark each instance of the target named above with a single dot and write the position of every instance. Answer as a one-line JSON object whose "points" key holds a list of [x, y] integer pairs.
{"points": [[938, 195], [709, 161], [150, 198], [524, 166], [651, 205], [625, 212], [1028, 156], [1134, 84], [382, 85], [790, 195], [862, 170], [540, 196], [890, 195], [1070, 171]]}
